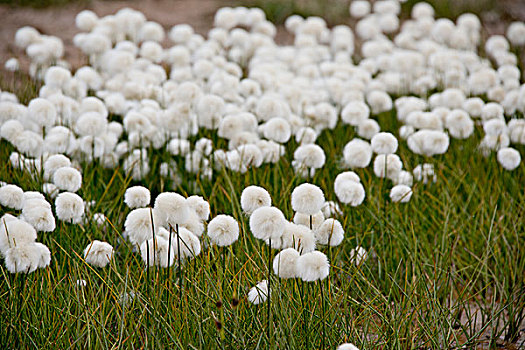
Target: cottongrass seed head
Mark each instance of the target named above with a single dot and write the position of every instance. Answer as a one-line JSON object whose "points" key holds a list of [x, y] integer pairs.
{"points": [[223, 230], [313, 266], [98, 253], [330, 232], [254, 197], [258, 293], [267, 223], [284, 263], [137, 197], [307, 199]]}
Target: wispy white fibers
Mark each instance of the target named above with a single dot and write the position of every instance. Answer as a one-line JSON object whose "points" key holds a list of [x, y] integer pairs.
{"points": [[307, 199], [25, 258], [387, 165], [154, 251], [313, 266], [223, 230], [357, 153], [15, 232], [299, 237], [304, 219], [190, 245], [201, 207], [509, 158], [330, 232], [139, 226], [400, 193], [358, 255], [284, 263], [67, 179], [384, 143], [137, 197], [11, 196], [69, 207], [347, 346], [254, 197], [348, 189], [259, 293], [37, 212], [98, 253], [171, 207], [267, 223]]}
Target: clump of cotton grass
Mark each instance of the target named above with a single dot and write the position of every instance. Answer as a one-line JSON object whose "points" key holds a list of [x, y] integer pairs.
{"points": [[307, 199], [259, 293], [37, 212], [223, 230], [425, 173], [309, 220], [254, 197], [509, 158], [312, 266], [137, 197], [185, 244], [98, 253], [69, 207], [358, 255], [27, 258], [200, 206], [401, 193], [330, 232], [11, 196], [299, 237], [15, 232], [67, 179], [140, 225], [348, 189], [284, 263], [331, 208]]}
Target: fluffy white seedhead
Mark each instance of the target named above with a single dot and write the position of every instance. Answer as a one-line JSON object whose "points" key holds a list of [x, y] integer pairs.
{"points": [[299, 237], [278, 130], [137, 197], [357, 153], [67, 179], [156, 251], [387, 165], [223, 230], [310, 156], [358, 255], [347, 346], [400, 193], [349, 191], [37, 212], [307, 199], [355, 113], [267, 223], [313, 266], [304, 219], [201, 207], [190, 245], [15, 232], [330, 233], [11, 196], [428, 142], [69, 207], [259, 293], [331, 208], [26, 258], [284, 263], [98, 253], [139, 225], [171, 207], [384, 143], [254, 197], [53, 163], [509, 158]]}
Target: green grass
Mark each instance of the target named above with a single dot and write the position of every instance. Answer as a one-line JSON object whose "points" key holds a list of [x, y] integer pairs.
{"points": [[455, 248]]}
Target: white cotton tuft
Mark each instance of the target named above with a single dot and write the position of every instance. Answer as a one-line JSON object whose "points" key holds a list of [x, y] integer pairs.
{"points": [[37, 213], [349, 191], [98, 253], [313, 266], [358, 255], [310, 156], [140, 223], [459, 124], [357, 153], [137, 197], [277, 129], [223, 230], [11, 196], [190, 246], [284, 263], [330, 233], [267, 223], [156, 251], [201, 207], [23, 258], [384, 143], [67, 179], [259, 293], [254, 197], [171, 207], [347, 346], [299, 237], [400, 193], [307, 199], [387, 165], [53, 163], [428, 142], [15, 232], [509, 158], [355, 113], [69, 207]]}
